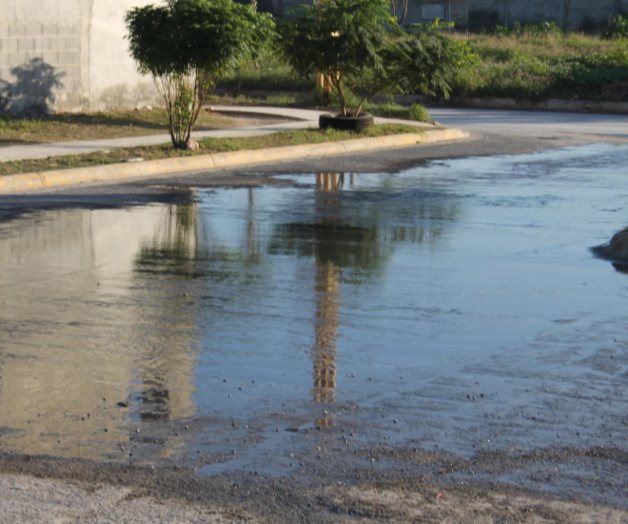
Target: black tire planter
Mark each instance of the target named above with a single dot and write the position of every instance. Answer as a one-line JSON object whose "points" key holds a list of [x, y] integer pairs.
{"points": [[346, 123]]}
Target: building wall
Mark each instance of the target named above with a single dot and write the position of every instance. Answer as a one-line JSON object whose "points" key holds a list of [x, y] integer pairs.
{"points": [[113, 73], [67, 55], [570, 14]]}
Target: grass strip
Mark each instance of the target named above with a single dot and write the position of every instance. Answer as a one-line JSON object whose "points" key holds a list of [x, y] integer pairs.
{"points": [[534, 62], [113, 124], [207, 146]]}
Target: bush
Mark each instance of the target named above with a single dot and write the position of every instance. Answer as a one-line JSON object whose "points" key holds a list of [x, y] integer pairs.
{"points": [[187, 45], [416, 112], [361, 48], [617, 27], [419, 113]]}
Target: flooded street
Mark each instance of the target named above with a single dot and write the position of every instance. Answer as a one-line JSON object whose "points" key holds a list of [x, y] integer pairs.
{"points": [[330, 323]]}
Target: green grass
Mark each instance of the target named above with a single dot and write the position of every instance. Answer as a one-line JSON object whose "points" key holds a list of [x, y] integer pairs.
{"points": [[529, 66], [415, 112], [525, 64], [303, 99], [65, 127], [207, 145], [268, 72]]}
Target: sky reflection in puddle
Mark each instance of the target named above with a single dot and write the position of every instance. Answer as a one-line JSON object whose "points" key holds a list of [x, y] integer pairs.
{"points": [[368, 292]]}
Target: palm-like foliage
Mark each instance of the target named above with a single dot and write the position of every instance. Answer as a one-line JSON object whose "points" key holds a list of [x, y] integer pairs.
{"points": [[360, 47]]}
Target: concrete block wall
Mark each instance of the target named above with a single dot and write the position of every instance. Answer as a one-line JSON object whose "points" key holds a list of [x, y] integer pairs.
{"points": [[67, 55], [40, 54], [570, 14]]}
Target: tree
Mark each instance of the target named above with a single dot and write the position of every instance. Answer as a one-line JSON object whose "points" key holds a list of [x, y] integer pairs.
{"points": [[399, 9], [362, 49], [187, 45]]}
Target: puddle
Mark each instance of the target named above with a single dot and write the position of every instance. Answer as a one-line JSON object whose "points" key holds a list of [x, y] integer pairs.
{"points": [[452, 306]]}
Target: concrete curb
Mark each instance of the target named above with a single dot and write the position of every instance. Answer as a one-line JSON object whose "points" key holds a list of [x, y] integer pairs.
{"points": [[25, 182]]}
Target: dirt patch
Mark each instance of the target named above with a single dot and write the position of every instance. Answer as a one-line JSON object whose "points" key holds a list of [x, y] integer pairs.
{"points": [[431, 504], [54, 490], [28, 499]]}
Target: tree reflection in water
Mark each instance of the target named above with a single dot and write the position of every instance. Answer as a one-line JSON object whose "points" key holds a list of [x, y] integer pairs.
{"points": [[179, 253], [166, 366], [334, 245], [352, 234], [349, 234]]}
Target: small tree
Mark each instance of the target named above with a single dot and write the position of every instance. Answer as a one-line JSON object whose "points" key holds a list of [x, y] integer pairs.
{"points": [[187, 45], [361, 48]]}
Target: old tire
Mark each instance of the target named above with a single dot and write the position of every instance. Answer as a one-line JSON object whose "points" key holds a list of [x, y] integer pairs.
{"points": [[346, 123]]}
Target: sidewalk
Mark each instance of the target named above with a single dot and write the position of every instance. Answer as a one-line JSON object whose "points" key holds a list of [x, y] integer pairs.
{"points": [[301, 119]]}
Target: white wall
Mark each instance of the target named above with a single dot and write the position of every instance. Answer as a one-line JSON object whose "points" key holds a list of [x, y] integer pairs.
{"points": [[114, 80], [68, 55]]}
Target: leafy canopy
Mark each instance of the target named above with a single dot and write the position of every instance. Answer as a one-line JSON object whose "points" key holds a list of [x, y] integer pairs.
{"points": [[360, 47], [338, 35], [212, 35], [187, 45]]}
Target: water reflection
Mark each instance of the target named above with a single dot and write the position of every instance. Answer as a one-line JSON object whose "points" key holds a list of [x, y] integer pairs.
{"points": [[165, 369], [81, 338], [335, 244], [327, 290], [264, 306], [113, 320]]}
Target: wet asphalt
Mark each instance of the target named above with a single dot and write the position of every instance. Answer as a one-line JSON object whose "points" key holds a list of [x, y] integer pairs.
{"points": [[309, 452]]}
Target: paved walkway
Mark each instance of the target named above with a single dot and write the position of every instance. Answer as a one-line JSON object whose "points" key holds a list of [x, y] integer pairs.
{"points": [[514, 123], [301, 119]]}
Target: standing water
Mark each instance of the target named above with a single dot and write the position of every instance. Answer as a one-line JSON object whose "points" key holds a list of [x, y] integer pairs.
{"points": [[451, 306]]}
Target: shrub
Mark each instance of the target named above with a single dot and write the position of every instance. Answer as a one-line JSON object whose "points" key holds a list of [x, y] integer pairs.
{"points": [[361, 48], [187, 45], [419, 113], [617, 27]]}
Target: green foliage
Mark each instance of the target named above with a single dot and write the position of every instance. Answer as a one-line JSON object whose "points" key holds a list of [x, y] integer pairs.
{"points": [[416, 112], [547, 28], [187, 45], [617, 27], [267, 71], [361, 48], [429, 61], [419, 113], [525, 65], [186, 35], [343, 40], [538, 66]]}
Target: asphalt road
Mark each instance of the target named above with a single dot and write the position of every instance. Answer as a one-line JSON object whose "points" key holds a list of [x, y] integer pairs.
{"points": [[535, 123]]}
